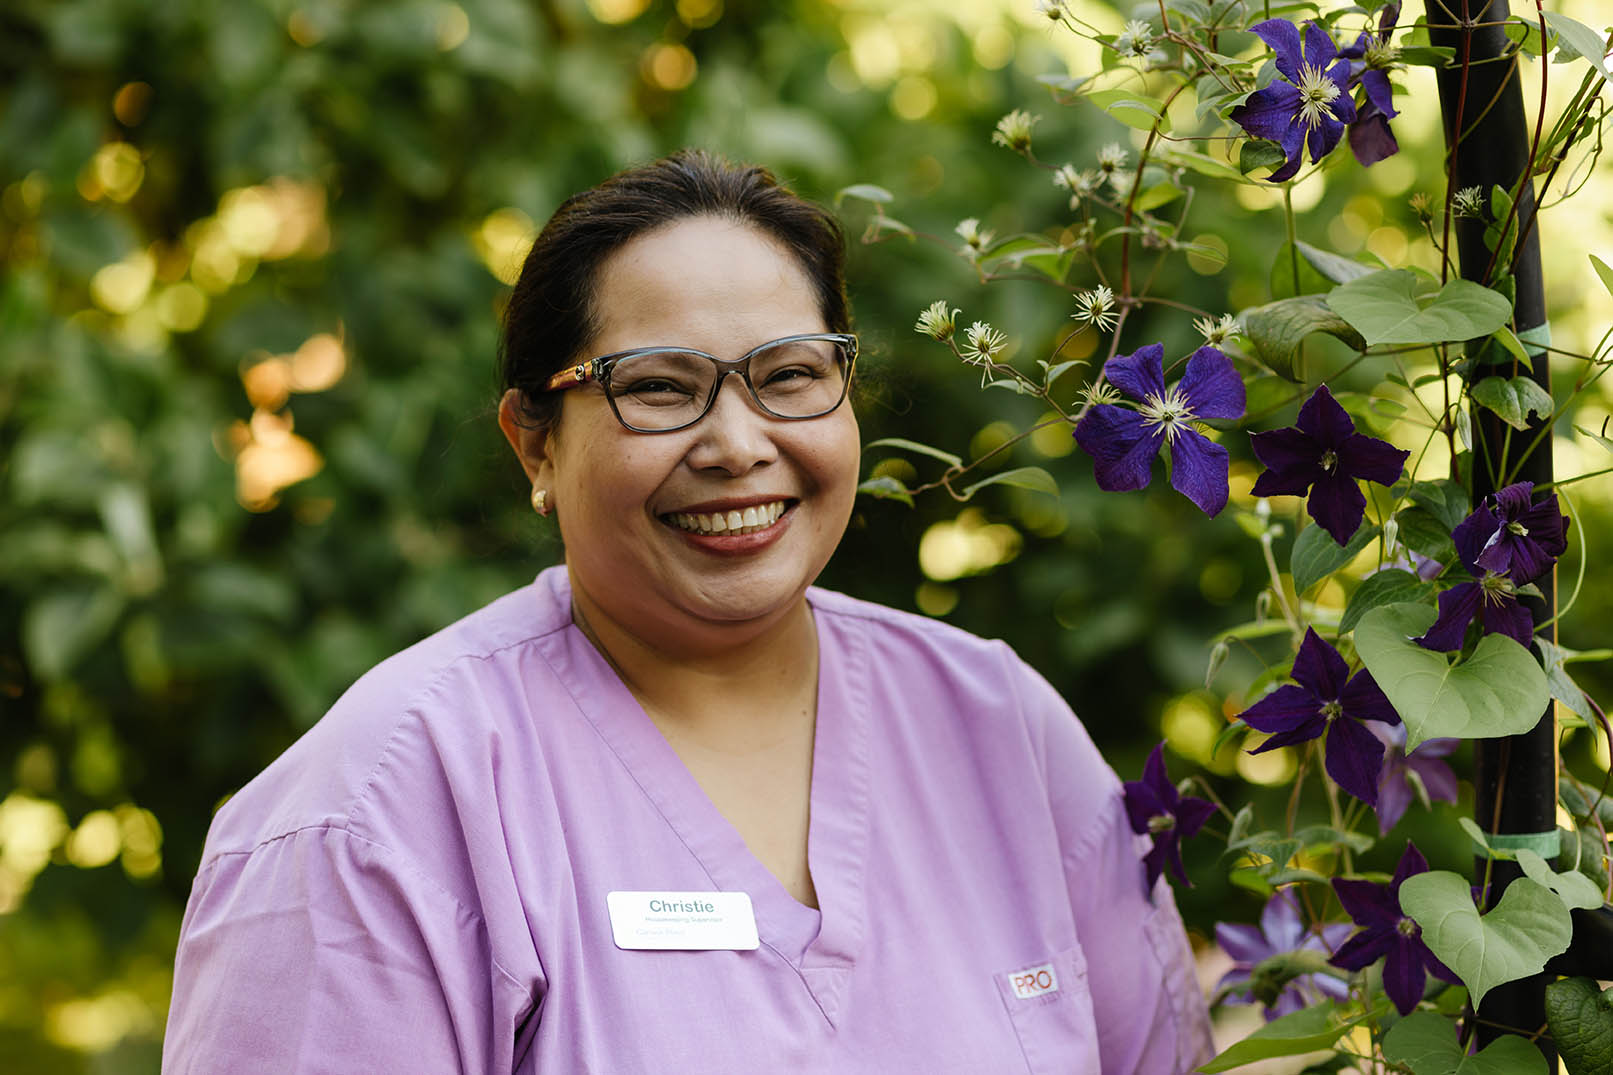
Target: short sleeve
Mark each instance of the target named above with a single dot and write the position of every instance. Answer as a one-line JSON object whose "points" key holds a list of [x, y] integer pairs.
{"points": [[320, 952], [1151, 1017]]}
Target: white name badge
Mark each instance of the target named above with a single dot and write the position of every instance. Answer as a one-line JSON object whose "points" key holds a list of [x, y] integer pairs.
{"points": [[683, 921]]}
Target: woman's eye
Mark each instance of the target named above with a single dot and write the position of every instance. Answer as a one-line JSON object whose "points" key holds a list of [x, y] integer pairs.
{"points": [[791, 373], [651, 390]]}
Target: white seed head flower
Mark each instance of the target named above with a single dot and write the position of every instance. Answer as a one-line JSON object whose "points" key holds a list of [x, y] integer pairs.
{"points": [[1094, 395], [975, 238], [1215, 332], [1111, 158], [985, 342], [1014, 130], [937, 321], [1469, 201], [1136, 39], [1424, 209], [1096, 308], [1052, 10]]}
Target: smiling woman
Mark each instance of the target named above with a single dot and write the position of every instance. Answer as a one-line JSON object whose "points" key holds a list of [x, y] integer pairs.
{"points": [[670, 807]]}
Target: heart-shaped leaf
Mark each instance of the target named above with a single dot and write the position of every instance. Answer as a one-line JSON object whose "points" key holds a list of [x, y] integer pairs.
{"points": [[1316, 555], [1514, 400], [1499, 690], [1387, 587], [1573, 888], [1384, 308], [1278, 328], [1581, 1021], [1426, 1043], [1512, 941]]}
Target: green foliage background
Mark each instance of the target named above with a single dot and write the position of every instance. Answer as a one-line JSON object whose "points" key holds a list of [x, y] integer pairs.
{"points": [[160, 642]]}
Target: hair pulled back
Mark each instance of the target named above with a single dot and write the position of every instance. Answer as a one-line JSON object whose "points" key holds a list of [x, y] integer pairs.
{"points": [[551, 316]]}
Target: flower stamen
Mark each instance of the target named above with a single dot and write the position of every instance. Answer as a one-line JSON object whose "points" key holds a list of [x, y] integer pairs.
{"points": [[1170, 413], [1317, 93]]}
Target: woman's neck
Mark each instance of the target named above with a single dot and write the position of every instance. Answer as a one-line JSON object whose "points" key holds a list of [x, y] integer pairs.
{"points": [[728, 679]]}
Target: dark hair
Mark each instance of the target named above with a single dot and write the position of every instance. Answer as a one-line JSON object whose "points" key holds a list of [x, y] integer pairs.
{"points": [[551, 315]]}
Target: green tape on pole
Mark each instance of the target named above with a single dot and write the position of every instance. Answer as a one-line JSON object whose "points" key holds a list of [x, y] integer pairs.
{"points": [[1535, 340], [1545, 844]]}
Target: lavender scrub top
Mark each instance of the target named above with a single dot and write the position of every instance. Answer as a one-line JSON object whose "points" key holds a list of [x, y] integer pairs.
{"points": [[419, 883]]}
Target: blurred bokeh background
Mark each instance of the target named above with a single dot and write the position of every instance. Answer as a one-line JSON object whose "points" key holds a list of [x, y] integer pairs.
{"points": [[253, 259]]}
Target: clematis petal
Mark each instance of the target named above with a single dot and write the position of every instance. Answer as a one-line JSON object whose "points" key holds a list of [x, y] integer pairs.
{"points": [[1342, 106], [1511, 501], [1411, 864], [1319, 668], [1438, 779], [1372, 459], [1293, 143], [1269, 113], [1338, 505], [1403, 975], [1283, 38], [1173, 858], [1319, 47], [1379, 91], [1141, 374], [1245, 944], [1394, 796], [1358, 49], [1361, 950], [1154, 863], [1457, 607], [1282, 710], [1199, 469], [1292, 458], [1212, 386], [1142, 804], [1191, 815], [1121, 447], [1371, 140], [1472, 534], [1507, 617], [1280, 922], [1363, 699], [1325, 135], [1354, 759], [1367, 903], [1321, 416]]}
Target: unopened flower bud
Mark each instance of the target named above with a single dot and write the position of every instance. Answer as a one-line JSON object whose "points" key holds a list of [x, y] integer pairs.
{"points": [[1262, 606], [1218, 657]]}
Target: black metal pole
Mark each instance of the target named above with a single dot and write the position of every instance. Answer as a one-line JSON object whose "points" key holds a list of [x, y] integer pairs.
{"points": [[1487, 138]]}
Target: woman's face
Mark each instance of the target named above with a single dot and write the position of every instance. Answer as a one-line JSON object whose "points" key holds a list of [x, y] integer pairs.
{"points": [[624, 500]]}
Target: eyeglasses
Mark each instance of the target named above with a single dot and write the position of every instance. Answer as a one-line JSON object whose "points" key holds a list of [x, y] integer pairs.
{"points": [[663, 389]]}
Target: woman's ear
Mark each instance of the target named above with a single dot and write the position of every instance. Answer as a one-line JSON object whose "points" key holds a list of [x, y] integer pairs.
{"points": [[530, 443]]}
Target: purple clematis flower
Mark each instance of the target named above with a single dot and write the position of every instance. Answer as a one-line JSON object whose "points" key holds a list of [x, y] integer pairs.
{"points": [[1123, 442], [1310, 109], [1156, 808], [1421, 774], [1371, 56], [1528, 539], [1325, 694], [1387, 931], [1324, 454], [1503, 530], [1280, 931]]}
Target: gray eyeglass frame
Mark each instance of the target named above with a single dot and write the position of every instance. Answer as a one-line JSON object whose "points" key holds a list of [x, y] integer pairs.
{"points": [[599, 370]]}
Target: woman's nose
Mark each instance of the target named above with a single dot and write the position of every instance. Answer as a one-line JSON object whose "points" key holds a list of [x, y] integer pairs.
{"points": [[736, 434]]}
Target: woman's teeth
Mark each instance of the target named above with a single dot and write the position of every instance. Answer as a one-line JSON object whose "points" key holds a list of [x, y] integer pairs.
{"points": [[744, 521]]}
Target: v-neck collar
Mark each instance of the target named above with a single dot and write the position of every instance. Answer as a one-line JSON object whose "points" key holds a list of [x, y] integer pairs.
{"points": [[822, 944]]}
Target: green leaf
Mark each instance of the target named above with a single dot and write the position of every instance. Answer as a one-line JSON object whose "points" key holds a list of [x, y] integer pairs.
{"points": [[1259, 153], [1426, 535], [1132, 109], [1033, 478], [1573, 888], [1302, 1032], [886, 488], [1277, 329], [1513, 399], [1563, 688], [1606, 442], [1055, 372], [1203, 164], [1512, 941], [1577, 39], [1581, 1020], [1283, 269], [1385, 308], [1499, 690], [914, 446], [1446, 500], [1316, 555], [1603, 273], [1387, 587], [867, 192], [1339, 270], [1427, 1044]]}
